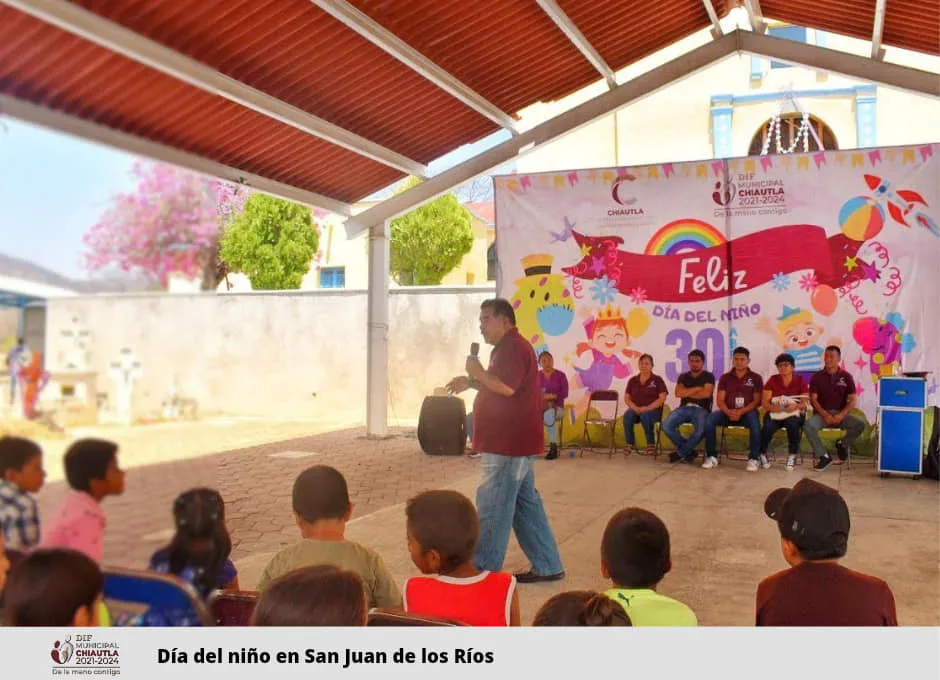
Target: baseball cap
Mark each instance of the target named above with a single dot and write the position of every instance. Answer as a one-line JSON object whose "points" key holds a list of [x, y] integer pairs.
{"points": [[813, 516]]}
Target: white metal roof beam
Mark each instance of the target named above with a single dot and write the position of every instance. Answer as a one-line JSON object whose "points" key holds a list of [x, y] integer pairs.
{"points": [[716, 31], [877, 51], [851, 65], [60, 122], [390, 43], [755, 16], [550, 130], [564, 22], [781, 49], [115, 37]]}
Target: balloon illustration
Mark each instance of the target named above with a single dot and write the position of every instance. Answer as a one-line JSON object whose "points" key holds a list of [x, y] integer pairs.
{"points": [[861, 218], [824, 299], [637, 322]]}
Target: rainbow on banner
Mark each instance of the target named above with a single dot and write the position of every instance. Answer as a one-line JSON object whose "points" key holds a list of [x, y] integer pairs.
{"points": [[682, 236]]}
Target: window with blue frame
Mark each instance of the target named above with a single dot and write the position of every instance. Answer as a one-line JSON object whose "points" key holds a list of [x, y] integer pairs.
{"points": [[795, 33], [333, 277]]}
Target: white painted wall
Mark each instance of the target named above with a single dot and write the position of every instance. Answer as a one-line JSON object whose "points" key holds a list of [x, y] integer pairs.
{"points": [[291, 354]]}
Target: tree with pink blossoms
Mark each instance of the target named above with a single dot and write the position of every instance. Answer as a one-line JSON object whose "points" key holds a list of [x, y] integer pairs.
{"points": [[171, 223]]}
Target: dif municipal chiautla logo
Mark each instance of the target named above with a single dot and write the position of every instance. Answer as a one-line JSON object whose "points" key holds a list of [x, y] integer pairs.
{"points": [[83, 655]]}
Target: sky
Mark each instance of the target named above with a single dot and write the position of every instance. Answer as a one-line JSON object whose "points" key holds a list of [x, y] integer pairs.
{"points": [[53, 187]]}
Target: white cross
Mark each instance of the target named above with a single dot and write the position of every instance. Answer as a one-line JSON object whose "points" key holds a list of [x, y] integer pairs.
{"points": [[77, 342], [124, 371]]}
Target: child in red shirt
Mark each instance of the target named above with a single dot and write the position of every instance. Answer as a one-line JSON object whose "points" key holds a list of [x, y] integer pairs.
{"points": [[442, 534]]}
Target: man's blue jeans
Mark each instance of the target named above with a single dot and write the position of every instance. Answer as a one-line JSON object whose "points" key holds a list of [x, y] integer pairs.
{"points": [[685, 414], [507, 501], [717, 419], [648, 419]]}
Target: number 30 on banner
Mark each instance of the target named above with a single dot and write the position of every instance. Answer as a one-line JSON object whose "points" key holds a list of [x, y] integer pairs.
{"points": [[710, 340]]}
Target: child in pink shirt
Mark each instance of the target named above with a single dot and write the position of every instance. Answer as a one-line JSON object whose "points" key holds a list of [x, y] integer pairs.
{"points": [[92, 471]]}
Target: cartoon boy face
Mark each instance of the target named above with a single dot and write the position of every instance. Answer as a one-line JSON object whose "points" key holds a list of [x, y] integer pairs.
{"points": [[610, 339], [801, 335]]}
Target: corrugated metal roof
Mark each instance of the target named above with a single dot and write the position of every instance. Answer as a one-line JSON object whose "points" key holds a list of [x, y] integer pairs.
{"points": [[508, 51], [911, 24]]}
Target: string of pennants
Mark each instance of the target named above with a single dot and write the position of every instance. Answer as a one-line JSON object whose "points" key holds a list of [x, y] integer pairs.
{"points": [[705, 170]]}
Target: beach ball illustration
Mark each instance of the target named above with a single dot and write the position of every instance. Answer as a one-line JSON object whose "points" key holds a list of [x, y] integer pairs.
{"points": [[861, 218]]}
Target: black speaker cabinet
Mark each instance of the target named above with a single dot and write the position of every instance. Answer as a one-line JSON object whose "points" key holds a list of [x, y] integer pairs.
{"points": [[442, 426]]}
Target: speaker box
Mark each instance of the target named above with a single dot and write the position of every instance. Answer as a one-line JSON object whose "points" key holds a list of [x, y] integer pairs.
{"points": [[442, 426]]}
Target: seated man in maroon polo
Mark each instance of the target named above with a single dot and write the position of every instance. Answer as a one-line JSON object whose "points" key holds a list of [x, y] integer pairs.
{"points": [[832, 394], [644, 397], [739, 395]]}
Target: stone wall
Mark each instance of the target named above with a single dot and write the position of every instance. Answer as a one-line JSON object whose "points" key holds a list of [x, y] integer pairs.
{"points": [[292, 354]]}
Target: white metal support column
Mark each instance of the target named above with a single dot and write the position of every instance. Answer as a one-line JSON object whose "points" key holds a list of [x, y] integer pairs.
{"points": [[377, 324]]}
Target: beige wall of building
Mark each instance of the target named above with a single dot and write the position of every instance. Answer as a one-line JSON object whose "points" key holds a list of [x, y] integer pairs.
{"points": [[677, 123]]}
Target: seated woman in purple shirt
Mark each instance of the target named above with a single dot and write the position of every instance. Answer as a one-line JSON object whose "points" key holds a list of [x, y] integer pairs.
{"points": [[554, 387], [644, 397]]}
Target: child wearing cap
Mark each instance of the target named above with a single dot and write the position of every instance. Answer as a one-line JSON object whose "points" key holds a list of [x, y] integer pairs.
{"points": [[635, 555], [816, 590]]}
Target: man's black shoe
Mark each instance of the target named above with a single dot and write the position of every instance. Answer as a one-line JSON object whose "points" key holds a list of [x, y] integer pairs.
{"points": [[552, 452], [842, 450], [822, 464], [675, 457], [532, 577]]}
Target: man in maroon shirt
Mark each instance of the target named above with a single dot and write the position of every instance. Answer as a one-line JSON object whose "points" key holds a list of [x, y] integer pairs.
{"points": [[739, 395], [816, 590], [507, 432], [832, 394]]}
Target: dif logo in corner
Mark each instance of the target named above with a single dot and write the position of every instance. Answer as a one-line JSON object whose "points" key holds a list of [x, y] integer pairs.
{"points": [[746, 194], [83, 655]]}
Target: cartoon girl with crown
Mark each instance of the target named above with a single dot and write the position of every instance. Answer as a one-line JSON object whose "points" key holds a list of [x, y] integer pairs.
{"points": [[602, 358]]}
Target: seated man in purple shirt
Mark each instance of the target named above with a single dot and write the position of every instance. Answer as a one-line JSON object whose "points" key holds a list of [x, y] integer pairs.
{"points": [[554, 388], [832, 394], [739, 395]]}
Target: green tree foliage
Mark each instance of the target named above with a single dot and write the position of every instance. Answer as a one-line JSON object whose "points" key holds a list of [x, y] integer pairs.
{"points": [[271, 242], [427, 243]]}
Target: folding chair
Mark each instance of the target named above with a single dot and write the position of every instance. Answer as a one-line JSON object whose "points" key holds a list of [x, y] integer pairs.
{"points": [[567, 412], [858, 413], [723, 447], [233, 608], [148, 599], [387, 618], [689, 428], [599, 414], [657, 435]]}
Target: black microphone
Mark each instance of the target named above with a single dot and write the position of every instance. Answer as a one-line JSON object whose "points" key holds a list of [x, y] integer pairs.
{"points": [[475, 349]]}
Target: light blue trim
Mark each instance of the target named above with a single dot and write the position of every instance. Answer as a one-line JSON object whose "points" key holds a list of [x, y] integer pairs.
{"points": [[757, 68], [722, 113], [866, 117], [799, 94]]}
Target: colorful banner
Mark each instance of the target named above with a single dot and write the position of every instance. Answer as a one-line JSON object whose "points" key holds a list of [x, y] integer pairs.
{"points": [[776, 253]]}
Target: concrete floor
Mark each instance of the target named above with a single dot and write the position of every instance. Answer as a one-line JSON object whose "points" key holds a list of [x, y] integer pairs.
{"points": [[722, 543]]}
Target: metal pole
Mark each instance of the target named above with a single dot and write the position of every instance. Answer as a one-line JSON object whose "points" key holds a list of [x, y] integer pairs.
{"points": [[377, 348]]}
